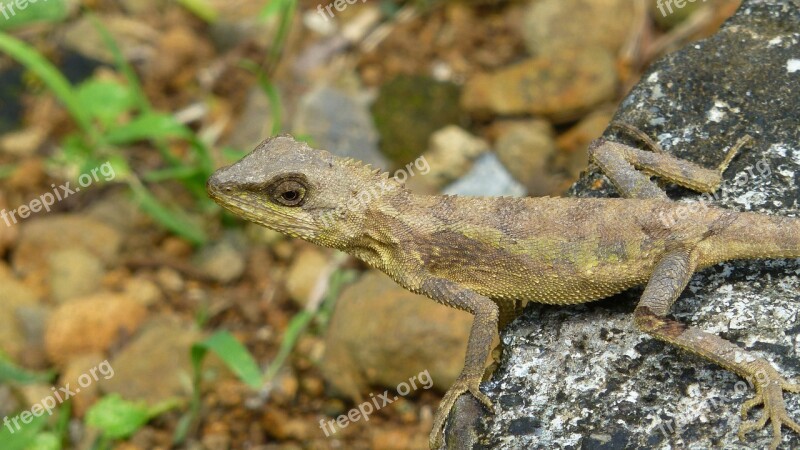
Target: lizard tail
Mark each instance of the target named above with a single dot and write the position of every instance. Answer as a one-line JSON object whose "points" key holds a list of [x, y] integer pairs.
{"points": [[756, 236]]}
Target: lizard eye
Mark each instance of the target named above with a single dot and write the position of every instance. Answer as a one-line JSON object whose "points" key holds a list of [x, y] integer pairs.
{"points": [[289, 193]]}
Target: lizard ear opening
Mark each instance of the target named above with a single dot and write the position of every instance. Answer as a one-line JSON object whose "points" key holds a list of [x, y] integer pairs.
{"points": [[288, 192]]}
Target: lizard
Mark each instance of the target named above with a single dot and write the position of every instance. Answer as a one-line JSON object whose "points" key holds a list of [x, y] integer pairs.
{"points": [[489, 256]]}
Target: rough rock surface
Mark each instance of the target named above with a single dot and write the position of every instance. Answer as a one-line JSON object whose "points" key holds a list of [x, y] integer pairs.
{"points": [[583, 376]]}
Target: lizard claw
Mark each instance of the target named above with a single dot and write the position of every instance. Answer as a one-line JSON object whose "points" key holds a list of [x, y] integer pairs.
{"points": [[461, 386], [769, 392]]}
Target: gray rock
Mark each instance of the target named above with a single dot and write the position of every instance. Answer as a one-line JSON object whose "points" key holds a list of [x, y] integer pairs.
{"points": [[583, 376], [255, 123], [340, 122], [487, 178]]}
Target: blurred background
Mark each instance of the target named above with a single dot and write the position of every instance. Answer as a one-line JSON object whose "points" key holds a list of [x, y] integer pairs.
{"points": [[175, 325]]}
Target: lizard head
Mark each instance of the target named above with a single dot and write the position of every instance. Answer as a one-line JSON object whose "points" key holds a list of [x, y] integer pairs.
{"points": [[289, 187]]}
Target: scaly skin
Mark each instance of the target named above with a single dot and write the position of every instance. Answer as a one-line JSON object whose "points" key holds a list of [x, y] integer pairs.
{"points": [[488, 255]]}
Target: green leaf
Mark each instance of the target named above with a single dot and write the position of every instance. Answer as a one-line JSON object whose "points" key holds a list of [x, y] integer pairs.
{"points": [[11, 373], [233, 354], [45, 441], [105, 100], [34, 11], [117, 418], [153, 126]]}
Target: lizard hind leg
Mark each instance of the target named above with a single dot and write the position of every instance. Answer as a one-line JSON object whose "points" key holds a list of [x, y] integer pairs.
{"points": [[629, 168], [669, 279]]}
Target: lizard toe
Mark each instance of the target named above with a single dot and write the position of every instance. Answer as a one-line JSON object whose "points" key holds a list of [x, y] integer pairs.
{"points": [[748, 405], [776, 434], [752, 425], [790, 387]]}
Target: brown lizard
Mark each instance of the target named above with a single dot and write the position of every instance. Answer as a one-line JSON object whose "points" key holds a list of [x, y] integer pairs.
{"points": [[488, 256]]}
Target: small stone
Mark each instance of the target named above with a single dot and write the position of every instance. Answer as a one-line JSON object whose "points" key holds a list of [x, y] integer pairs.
{"points": [[34, 394], [135, 38], [15, 297], [74, 273], [170, 279], [80, 372], [42, 237], [23, 143], [384, 351], [527, 149], [550, 26], [561, 87], [304, 274], [32, 321], [283, 427], [143, 290], [90, 325], [117, 210], [161, 347], [394, 438], [285, 387], [223, 261], [451, 153], [487, 178]]}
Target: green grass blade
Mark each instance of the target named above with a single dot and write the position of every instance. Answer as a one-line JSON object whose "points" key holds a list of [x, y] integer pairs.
{"points": [[172, 220], [42, 11], [235, 356], [123, 66], [52, 78], [201, 9], [11, 373]]}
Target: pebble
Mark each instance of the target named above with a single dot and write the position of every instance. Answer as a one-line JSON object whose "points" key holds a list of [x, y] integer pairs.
{"points": [[450, 155], [92, 324], [526, 149], [560, 87], [44, 236], [487, 178], [551, 26], [222, 261], [304, 274], [16, 296], [74, 273], [385, 351], [162, 347]]}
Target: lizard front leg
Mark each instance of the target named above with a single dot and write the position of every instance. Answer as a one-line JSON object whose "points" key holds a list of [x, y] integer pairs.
{"points": [[669, 279], [484, 327]]}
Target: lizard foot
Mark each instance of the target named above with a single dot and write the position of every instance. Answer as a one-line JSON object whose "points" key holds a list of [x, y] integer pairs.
{"points": [[461, 386], [769, 392]]}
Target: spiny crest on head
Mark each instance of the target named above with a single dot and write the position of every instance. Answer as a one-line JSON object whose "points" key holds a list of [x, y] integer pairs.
{"points": [[366, 171]]}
